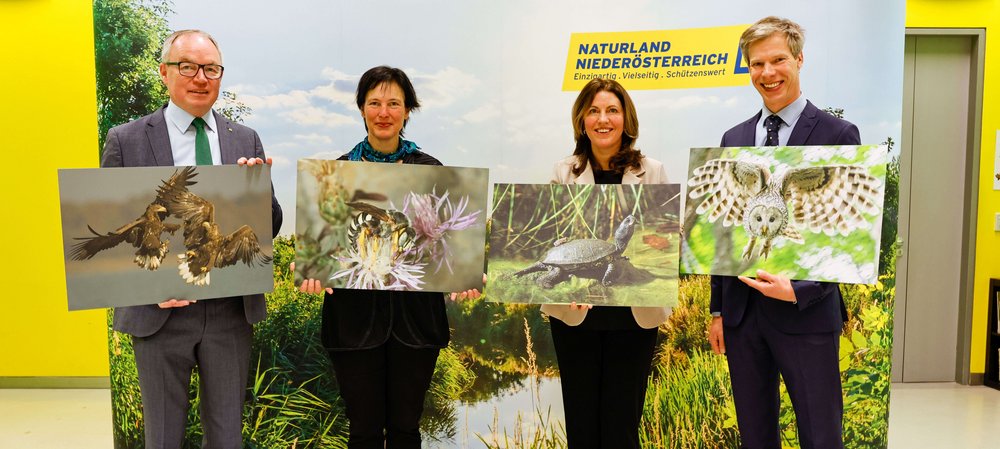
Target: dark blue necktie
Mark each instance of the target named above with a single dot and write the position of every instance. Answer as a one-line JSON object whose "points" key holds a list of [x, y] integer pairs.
{"points": [[772, 123]]}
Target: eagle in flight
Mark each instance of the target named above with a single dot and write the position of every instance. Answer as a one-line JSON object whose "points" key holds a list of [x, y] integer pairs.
{"points": [[205, 246], [143, 232]]}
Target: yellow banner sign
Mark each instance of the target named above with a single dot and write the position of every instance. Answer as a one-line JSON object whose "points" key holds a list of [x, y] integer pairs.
{"points": [[664, 59]]}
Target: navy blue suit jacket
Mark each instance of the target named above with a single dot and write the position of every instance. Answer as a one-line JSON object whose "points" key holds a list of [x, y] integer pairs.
{"points": [[820, 306]]}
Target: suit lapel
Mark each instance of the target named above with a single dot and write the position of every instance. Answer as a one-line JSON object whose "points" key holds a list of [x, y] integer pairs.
{"points": [[227, 139], [586, 176], [633, 176], [159, 140], [805, 125], [748, 131]]}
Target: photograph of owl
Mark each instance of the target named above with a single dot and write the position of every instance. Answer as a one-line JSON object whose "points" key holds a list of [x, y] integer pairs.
{"points": [[821, 206], [831, 199]]}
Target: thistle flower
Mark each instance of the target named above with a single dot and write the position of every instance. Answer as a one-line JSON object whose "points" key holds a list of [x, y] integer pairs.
{"points": [[432, 218], [374, 266]]}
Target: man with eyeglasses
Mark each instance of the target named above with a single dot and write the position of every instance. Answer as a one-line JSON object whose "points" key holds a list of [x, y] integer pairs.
{"points": [[174, 336]]}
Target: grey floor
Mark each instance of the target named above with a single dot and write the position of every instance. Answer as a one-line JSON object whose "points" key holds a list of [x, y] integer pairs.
{"points": [[931, 415]]}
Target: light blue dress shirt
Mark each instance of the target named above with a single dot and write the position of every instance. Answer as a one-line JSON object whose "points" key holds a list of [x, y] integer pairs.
{"points": [[789, 114], [182, 134]]}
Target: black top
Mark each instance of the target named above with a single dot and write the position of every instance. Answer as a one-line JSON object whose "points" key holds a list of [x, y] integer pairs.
{"points": [[609, 318], [364, 319], [607, 177]]}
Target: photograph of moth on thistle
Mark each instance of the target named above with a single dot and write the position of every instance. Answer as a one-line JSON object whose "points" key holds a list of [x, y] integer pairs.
{"points": [[371, 226]]}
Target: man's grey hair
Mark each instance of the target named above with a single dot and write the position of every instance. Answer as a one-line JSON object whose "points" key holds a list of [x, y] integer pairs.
{"points": [[165, 53], [795, 35]]}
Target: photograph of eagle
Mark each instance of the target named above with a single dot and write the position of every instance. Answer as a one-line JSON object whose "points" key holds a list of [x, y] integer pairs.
{"points": [[143, 233], [205, 246]]}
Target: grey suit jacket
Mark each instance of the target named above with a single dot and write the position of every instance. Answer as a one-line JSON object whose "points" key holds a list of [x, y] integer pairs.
{"points": [[144, 142]]}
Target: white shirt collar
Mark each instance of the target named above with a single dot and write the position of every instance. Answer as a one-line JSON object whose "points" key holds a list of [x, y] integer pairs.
{"points": [[789, 114], [182, 119]]}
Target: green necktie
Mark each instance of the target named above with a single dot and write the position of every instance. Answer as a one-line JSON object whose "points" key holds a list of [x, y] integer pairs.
{"points": [[202, 152]]}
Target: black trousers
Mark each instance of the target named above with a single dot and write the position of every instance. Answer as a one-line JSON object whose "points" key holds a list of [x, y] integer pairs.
{"points": [[383, 389], [757, 353], [604, 374]]}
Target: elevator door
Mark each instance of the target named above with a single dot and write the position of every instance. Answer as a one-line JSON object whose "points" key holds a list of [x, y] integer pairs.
{"points": [[935, 151]]}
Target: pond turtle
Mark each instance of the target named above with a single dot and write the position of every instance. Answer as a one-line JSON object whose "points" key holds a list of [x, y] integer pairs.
{"points": [[590, 258]]}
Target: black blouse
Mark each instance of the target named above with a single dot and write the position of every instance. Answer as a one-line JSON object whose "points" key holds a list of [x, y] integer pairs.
{"points": [[364, 319], [613, 317]]}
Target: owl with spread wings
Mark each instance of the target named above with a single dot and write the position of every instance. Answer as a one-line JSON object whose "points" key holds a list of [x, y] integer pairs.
{"points": [[832, 199]]}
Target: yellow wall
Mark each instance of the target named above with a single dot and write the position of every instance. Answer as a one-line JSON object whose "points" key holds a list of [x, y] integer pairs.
{"points": [[976, 14], [48, 120]]}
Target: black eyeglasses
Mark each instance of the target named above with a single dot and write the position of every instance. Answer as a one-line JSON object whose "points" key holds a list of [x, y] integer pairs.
{"points": [[190, 69]]}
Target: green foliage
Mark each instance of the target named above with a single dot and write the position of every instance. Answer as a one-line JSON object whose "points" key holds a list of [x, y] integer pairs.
{"points": [[689, 400], [836, 112], [690, 405], [528, 218], [543, 433], [232, 107], [126, 403], [451, 379], [293, 399], [128, 36], [492, 341], [292, 396], [686, 330], [866, 361], [890, 214]]}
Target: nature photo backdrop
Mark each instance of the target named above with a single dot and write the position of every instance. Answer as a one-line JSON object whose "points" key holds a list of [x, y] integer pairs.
{"points": [[489, 80]]}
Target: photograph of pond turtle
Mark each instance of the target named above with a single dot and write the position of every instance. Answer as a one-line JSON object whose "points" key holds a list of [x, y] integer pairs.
{"points": [[615, 245], [803, 212]]}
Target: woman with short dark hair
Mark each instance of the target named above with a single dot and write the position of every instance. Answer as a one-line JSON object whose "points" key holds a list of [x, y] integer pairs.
{"points": [[384, 344]]}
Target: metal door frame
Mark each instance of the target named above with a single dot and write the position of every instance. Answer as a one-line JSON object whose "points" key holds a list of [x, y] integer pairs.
{"points": [[967, 271]]}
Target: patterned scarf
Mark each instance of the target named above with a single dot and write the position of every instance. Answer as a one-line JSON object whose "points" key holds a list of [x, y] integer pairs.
{"points": [[364, 151]]}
